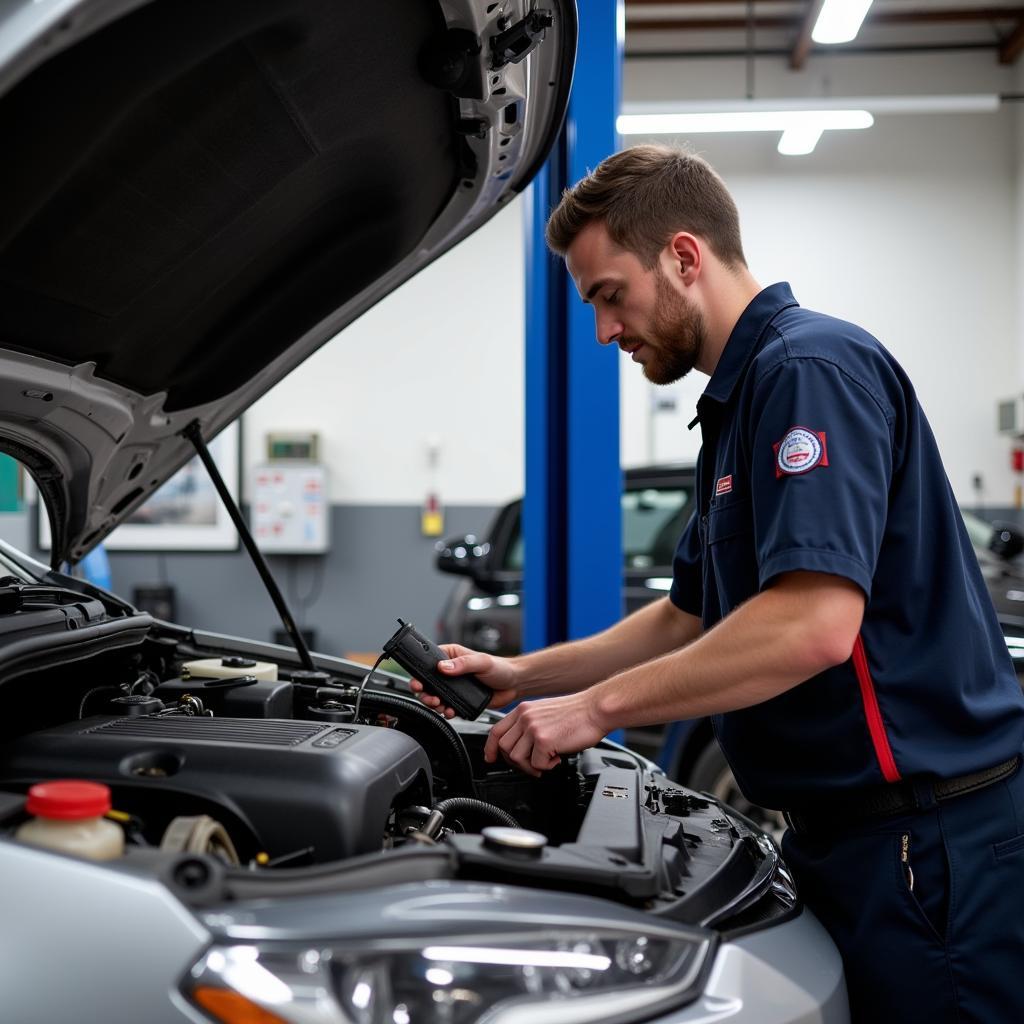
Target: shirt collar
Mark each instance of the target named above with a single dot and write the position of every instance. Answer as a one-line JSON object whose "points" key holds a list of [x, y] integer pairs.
{"points": [[763, 308]]}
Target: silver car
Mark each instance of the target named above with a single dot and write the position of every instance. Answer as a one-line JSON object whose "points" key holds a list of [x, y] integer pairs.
{"points": [[195, 197]]}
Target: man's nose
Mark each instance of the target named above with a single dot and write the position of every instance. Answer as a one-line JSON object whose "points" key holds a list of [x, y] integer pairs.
{"points": [[609, 329]]}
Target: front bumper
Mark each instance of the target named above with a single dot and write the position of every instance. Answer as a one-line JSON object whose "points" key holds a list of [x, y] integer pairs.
{"points": [[788, 974]]}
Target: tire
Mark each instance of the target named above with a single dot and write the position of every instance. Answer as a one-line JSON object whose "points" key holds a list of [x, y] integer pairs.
{"points": [[711, 773]]}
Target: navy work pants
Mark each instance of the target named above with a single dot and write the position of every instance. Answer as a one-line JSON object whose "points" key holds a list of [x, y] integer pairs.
{"points": [[950, 946]]}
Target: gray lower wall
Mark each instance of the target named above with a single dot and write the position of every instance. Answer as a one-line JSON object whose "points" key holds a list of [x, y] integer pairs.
{"points": [[379, 567]]}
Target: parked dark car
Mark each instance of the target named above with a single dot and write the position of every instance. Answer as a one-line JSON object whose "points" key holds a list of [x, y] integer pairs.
{"points": [[483, 609]]}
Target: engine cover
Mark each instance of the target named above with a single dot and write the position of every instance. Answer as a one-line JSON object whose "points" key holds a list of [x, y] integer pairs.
{"points": [[280, 786]]}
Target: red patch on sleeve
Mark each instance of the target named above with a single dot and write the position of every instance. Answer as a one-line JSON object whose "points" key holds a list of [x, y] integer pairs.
{"points": [[800, 451]]}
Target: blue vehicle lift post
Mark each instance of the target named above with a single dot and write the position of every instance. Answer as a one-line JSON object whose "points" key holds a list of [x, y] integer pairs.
{"points": [[572, 519]]}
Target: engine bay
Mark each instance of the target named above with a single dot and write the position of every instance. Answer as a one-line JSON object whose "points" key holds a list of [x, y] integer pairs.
{"points": [[283, 764], [234, 776]]}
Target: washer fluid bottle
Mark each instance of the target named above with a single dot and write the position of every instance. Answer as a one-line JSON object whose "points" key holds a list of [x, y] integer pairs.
{"points": [[69, 817]]}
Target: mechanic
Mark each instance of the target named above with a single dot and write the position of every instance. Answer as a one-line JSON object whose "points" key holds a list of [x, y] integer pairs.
{"points": [[826, 608]]}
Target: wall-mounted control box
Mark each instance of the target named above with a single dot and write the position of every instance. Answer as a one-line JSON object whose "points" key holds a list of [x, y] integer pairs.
{"points": [[290, 509]]}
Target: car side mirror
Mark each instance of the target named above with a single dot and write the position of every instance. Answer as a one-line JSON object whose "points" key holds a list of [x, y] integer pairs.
{"points": [[463, 556], [1007, 541]]}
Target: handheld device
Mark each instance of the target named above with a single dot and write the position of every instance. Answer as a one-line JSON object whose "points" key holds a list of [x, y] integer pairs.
{"points": [[419, 657]]}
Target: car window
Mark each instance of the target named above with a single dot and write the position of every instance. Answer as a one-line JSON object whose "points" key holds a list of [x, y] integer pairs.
{"points": [[514, 552], [978, 530], [652, 521]]}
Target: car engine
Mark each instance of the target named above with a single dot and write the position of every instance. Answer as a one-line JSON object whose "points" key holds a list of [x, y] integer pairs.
{"points": [[284, 788], [282, 765], [235, 777]]}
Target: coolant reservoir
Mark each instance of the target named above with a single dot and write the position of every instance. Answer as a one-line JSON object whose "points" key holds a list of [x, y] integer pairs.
{"points": [[69, 817], [228, 668]]}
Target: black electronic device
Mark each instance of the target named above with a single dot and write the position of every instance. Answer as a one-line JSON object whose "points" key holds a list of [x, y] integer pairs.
{"points": [[419, 657]]}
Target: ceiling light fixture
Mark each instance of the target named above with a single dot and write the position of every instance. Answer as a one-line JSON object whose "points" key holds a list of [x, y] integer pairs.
{"points": [[839, 21], [800, 141], [800, 129], [801, 121]]}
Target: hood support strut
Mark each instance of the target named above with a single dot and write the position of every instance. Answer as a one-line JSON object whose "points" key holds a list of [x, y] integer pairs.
{"points": [[194, 435]]}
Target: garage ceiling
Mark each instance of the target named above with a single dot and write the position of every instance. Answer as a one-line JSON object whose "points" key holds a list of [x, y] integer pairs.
{"points": [[783, 28]]}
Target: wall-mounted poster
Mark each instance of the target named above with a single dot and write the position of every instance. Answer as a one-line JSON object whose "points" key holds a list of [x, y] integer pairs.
{"points": [[185, 514]]}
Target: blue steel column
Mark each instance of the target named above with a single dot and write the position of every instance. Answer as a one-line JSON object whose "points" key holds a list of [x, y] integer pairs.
{"points": [[572, 515]]}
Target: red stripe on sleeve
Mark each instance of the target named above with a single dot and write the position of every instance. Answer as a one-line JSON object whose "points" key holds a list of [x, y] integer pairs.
{"points": [[876, 726]]}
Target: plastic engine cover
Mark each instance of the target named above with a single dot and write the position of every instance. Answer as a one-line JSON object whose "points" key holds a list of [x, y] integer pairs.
{"points": [[293, 785]]}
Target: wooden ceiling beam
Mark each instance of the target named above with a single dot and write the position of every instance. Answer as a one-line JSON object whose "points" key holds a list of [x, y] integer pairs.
{"points": [[937, 17], [952, 15], [802, 46], [1012, 47], [703, 24]]}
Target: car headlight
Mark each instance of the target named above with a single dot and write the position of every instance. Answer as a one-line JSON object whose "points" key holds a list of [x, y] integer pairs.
{"points": [[568, 977]]}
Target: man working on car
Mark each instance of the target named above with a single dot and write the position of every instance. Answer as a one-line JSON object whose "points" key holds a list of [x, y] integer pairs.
{"points": [[826, 607]]}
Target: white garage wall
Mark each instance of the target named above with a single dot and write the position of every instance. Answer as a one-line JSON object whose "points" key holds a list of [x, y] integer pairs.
{"points": [[912, 228], [909, 228], [440, 359]]}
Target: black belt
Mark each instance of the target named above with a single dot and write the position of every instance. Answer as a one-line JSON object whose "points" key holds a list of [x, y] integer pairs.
{"points": [[890, 801]]}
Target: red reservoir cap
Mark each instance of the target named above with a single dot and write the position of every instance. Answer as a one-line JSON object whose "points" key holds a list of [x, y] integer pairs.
{"points": [[68, 799]]}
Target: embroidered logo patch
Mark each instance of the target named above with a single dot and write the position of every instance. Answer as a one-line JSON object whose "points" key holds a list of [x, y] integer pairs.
{"points": [[800, 451], [724, 485]]}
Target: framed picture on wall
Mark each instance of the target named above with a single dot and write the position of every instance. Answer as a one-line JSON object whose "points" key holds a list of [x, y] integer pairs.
{"points": [[185, 514]]}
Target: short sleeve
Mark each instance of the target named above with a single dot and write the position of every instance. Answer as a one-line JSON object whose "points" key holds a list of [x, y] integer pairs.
{"points": [[821, 467], [687, 591]]}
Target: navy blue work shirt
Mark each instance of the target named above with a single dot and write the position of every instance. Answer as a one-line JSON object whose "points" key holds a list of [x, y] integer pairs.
{"points": [[817, 456]]}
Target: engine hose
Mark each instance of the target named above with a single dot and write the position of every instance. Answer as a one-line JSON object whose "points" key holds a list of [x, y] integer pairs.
{"points": [[199, 834], [439, 726], [479, 808]]}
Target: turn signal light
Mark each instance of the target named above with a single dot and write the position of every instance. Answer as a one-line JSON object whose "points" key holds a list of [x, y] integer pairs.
{"points": [[232, 1008]]}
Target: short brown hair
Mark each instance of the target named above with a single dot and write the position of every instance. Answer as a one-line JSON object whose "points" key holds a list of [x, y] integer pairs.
{"points": [[644, 195]]}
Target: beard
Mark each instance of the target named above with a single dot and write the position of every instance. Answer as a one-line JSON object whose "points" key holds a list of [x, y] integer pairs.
{"points": [[676, 337]]}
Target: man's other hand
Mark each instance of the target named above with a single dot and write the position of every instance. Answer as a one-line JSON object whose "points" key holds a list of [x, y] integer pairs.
{"points": [[535, 733], [497, 673]]}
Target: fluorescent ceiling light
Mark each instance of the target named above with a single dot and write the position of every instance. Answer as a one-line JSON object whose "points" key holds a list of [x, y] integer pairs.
{"points": [[839, 21], [801, 121], [956, 103], [742, 121], [800, 141], [800, 129]]}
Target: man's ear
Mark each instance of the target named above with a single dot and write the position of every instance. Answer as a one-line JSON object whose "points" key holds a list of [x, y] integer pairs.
{"points": [[686, 256]]}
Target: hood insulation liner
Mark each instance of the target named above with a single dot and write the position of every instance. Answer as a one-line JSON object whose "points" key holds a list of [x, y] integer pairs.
{"points": [[190, 189]]}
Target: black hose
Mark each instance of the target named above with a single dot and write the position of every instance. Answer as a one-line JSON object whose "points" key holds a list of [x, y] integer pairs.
{"points": [[89, 693], [439, 726], [479, 808]]}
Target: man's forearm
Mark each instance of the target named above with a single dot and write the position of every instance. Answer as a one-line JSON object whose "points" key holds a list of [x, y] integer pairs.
{"points": [[776, 640], [802, 625], [651, 631]]}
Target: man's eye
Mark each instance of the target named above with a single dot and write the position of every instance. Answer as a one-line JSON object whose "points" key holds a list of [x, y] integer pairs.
{"points": [[613, 298]]}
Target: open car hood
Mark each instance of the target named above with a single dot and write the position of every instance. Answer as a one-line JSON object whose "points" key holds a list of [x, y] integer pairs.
{"points": [[198, 195]]}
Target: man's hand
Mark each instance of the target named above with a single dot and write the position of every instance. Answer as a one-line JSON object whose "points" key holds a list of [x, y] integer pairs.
{"points": [[497, 673], [535, 733]]}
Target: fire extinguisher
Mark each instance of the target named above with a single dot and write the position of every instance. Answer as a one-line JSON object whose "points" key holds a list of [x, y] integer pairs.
{"points": [[432, 514]]}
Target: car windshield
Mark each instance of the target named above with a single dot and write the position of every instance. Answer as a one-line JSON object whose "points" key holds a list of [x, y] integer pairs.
{"points": [[652, 522], [978, 530]]}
